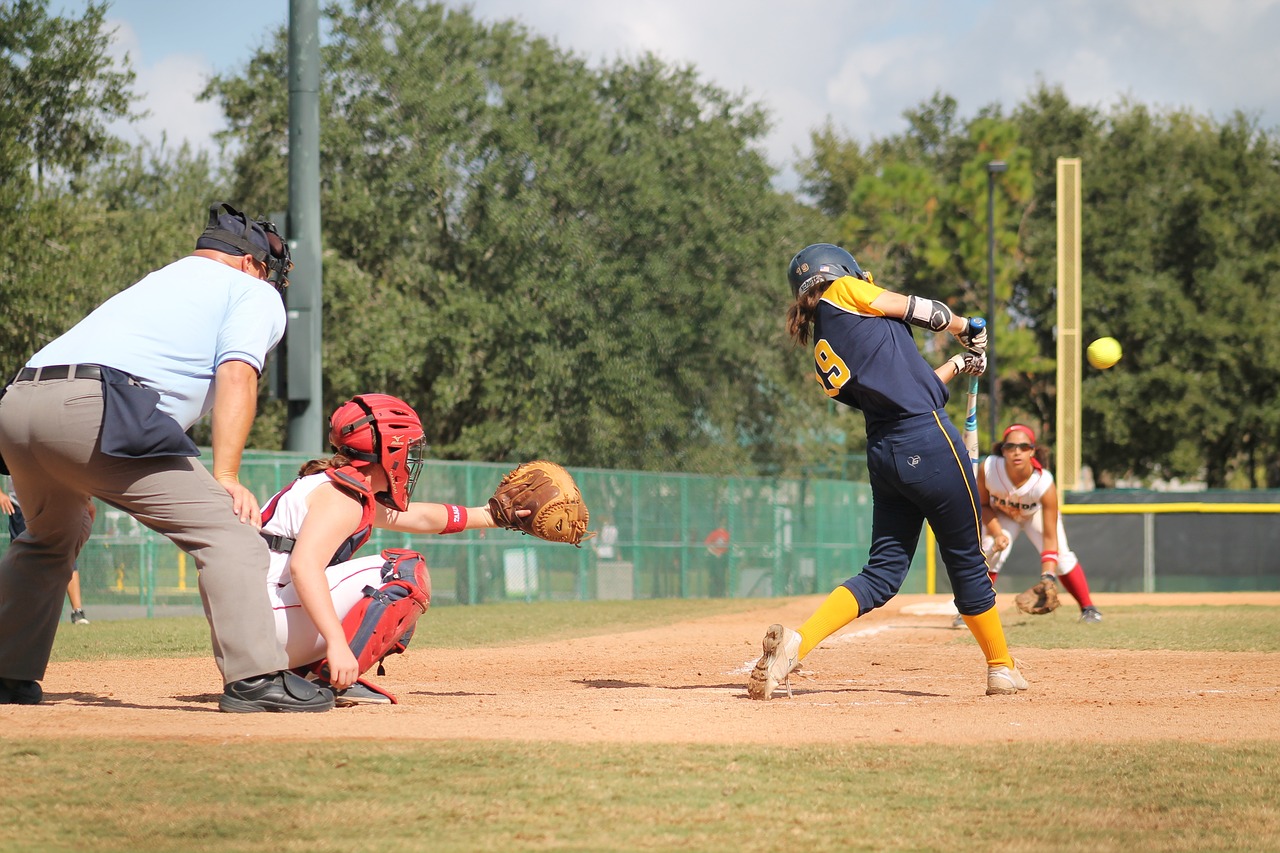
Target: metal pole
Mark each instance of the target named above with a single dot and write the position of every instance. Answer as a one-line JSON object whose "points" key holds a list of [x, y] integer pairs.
{"points": [[993, 380], [304, 295]]}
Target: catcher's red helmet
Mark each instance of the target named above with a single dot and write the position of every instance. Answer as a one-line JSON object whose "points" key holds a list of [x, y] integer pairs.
{"points": [[382, 430]]}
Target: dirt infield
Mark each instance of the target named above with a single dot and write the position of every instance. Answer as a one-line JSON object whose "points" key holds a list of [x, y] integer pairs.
{"points": [[890, 677]]}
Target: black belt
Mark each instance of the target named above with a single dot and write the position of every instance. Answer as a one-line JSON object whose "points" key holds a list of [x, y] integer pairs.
{"points": [[59, 371], [278, 543]]}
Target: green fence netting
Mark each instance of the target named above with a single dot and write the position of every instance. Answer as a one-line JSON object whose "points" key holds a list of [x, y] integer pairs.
{"points": [[658, 535]]}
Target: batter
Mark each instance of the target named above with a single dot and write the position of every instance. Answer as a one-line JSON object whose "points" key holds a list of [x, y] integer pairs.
{"points": [[866, 357]]}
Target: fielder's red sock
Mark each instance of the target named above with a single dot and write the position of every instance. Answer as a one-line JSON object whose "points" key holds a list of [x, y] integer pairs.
{"points": [[993, 577], [1078, 585]]}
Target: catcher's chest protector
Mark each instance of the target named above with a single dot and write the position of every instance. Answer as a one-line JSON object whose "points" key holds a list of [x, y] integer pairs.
{"points": [[348, 480], [382, 622]]}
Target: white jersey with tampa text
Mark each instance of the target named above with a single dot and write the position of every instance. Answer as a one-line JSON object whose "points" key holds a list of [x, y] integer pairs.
{"points": [[1017, 502], [1019, 509]]}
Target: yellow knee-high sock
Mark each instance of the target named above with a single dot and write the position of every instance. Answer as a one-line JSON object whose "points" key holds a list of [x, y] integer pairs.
{"points": [[838, 610], [989, 633]]}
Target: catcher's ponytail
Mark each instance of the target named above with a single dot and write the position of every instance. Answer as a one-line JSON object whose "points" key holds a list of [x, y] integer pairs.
{"points": [[315, 466]]}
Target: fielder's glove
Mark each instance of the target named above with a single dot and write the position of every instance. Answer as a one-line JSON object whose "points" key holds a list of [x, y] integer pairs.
{"points": [[970, 363], [557, 512], [1040, 599]]}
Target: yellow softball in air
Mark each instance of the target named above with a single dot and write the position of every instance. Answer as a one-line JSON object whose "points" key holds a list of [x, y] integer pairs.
{"points": [[1104, 352]]}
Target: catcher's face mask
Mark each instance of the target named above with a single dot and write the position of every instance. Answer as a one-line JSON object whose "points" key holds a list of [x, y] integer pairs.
{"points": [[382, 430]]}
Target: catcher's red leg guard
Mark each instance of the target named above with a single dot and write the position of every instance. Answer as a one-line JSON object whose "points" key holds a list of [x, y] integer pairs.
{"points": [[382, 622]]}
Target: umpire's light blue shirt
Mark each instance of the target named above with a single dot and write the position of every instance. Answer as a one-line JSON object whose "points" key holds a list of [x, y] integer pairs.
{"points": [[173, 328]]}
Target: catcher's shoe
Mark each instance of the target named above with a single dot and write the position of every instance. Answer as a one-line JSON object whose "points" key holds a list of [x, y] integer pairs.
{"points": [[1004, 681], [362, 693], [781, 658], [276, 691], [1090, 614], [15, 691]]}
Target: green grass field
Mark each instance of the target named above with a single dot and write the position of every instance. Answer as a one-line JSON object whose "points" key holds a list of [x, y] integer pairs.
{"points": [[81, 794]]}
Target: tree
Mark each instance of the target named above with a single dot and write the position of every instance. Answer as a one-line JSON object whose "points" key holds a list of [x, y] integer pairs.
{"points": [[548, 259], [1178, 222], [60, 91]]}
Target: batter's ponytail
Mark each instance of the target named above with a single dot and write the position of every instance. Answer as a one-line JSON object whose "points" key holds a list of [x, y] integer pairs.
{"points": [[801, 313]]}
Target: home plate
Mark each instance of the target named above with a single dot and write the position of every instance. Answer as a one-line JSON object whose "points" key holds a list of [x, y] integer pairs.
{"points": [[941, 608]]}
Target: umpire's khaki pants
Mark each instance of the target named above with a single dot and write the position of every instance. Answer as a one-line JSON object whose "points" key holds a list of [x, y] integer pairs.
{"points": [[49, 440]]}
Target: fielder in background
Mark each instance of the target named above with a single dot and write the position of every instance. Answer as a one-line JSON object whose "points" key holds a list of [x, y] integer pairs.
{"points": [[103, 411], [336, 614], [866, 357], [1018, 495]]}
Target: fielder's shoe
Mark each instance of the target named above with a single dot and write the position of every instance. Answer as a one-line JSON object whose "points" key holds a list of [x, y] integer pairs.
{"points": [[1004, 681], [958, 622], [1090, 614], [781, 658], [78, 618], [16, 691], [362, 693], [276, 691]]}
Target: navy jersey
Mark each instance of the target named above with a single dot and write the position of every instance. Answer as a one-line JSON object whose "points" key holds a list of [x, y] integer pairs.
{"points": [[869, 361]]}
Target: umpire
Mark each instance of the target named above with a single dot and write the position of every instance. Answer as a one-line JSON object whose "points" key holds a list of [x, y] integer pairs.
{"points": [[103, 411]]}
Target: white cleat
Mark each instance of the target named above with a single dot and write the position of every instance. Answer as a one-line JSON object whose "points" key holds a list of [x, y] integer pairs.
{"points": [[781, 657], [1004, 681]]}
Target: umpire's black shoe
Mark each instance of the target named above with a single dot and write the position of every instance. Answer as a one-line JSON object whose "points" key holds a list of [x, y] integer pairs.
{"points": [[15, 691], [278, 691]]}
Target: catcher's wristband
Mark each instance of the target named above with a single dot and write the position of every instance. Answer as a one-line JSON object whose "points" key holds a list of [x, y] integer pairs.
{"points": [[457, 519]]}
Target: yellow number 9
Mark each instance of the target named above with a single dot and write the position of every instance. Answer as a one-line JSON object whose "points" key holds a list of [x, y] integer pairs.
{"points": [[832, 371]]}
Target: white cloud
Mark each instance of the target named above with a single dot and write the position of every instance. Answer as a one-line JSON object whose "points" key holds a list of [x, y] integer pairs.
{"points": [[168, 86]]}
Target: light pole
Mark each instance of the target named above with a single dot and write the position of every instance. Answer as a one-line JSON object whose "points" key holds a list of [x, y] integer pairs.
{"points": [[993, 168]]}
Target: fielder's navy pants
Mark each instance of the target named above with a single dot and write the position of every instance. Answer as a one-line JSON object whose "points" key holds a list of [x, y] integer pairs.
{"points": [[920, 471]]}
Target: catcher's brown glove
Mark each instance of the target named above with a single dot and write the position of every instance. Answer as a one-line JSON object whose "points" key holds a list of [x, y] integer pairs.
{"points": [[557, 512], [1040, 599]]}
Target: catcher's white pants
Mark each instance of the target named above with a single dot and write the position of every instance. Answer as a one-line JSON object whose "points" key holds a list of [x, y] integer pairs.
{"points": [[1034, 528], [301, 638]]}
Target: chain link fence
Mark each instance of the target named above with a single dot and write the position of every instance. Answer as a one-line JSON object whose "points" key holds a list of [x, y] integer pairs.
{"points": [[657, 535]]}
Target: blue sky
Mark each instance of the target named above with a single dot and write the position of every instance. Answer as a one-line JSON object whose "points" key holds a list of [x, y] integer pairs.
{"points": [[858, 62]]}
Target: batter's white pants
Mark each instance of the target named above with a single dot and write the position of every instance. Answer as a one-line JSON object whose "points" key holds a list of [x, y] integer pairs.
{"points": [[1034, 528]]}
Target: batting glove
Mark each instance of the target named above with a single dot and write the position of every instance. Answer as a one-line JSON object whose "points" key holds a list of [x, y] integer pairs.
{"points": [[970, 363], [973, 340]]}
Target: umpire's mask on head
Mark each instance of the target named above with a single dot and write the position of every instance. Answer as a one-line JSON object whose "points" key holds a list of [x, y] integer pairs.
{"points": [[232, 232]]}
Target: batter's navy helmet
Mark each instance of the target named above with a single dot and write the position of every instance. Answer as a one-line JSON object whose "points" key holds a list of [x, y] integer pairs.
{"points": [[818, 263]]}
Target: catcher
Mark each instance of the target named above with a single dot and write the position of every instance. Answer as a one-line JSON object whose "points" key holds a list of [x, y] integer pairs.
{"points": [[338, 615]]}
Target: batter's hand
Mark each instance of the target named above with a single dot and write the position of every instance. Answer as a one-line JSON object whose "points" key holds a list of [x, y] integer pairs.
{"points": [[969, 363], [243, 502], [973, 339]]}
